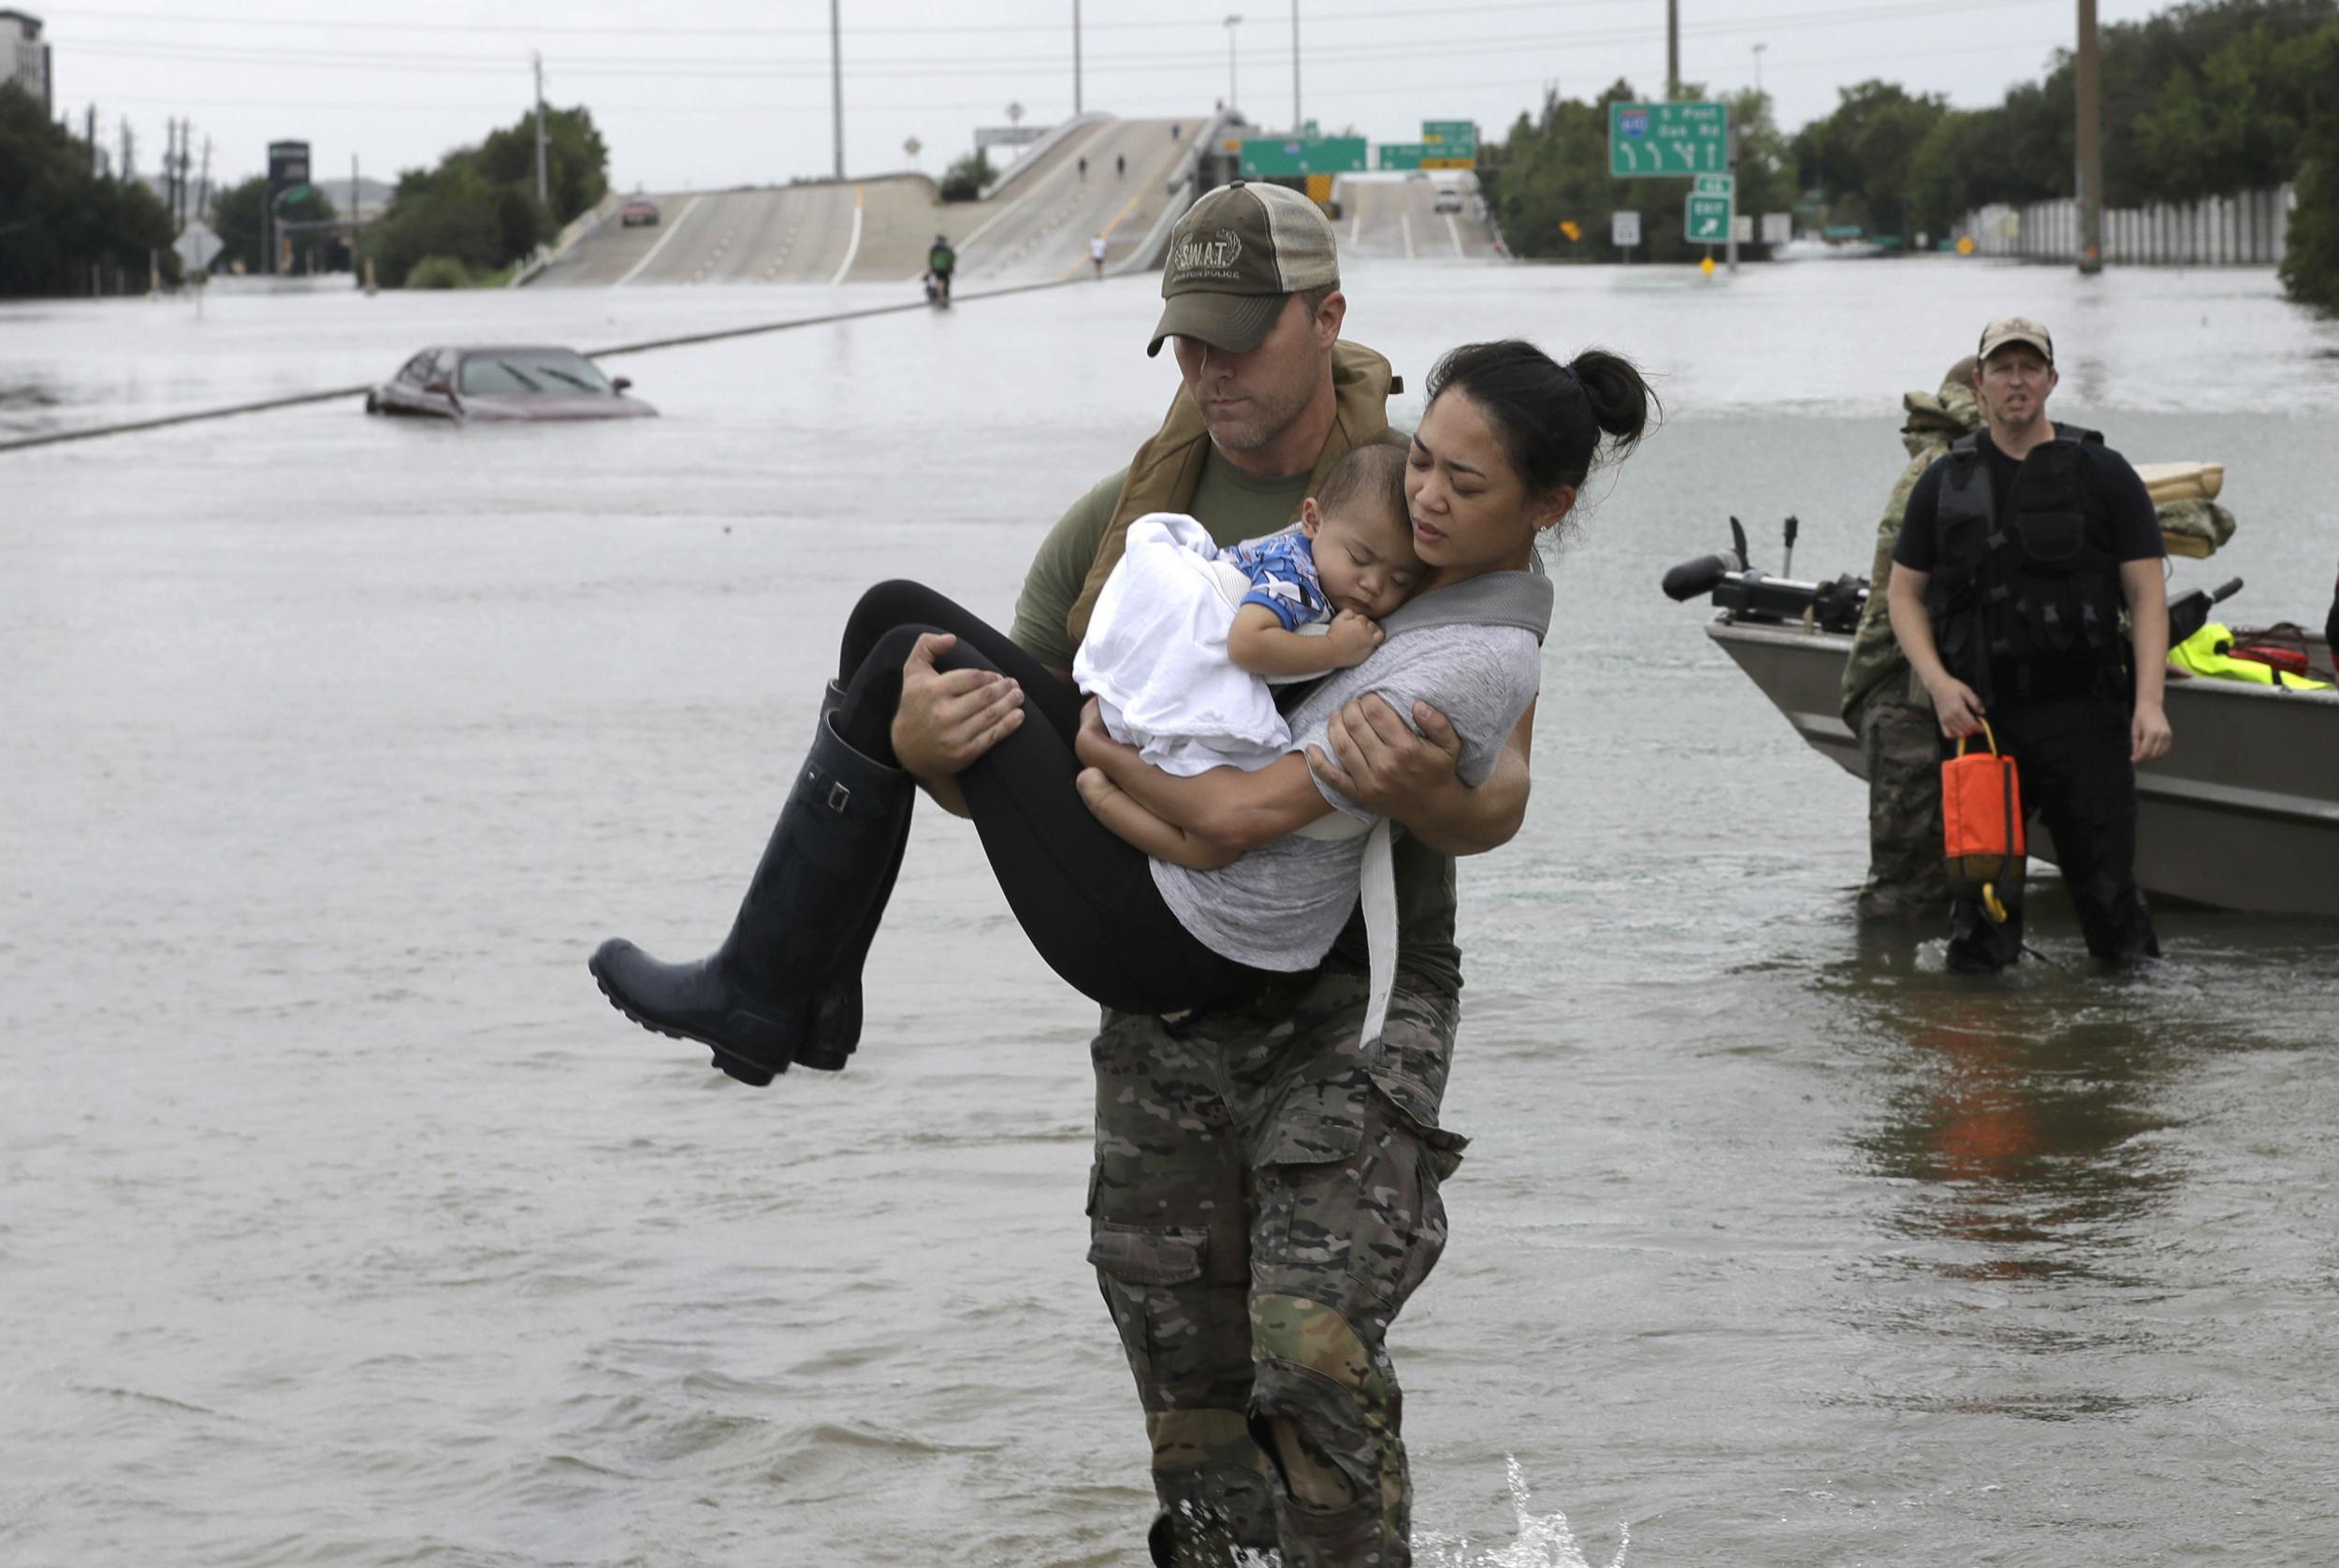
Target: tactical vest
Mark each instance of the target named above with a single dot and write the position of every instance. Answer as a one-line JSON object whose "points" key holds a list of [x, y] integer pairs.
{"points": [[2038, 587], [1167, 469]]}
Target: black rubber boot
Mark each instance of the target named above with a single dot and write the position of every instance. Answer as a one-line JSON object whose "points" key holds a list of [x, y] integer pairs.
{"points": [[816, 885], [835, 1026]]}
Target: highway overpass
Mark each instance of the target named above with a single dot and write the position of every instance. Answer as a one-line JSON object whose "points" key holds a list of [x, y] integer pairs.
{"points": [[1035, 227]]}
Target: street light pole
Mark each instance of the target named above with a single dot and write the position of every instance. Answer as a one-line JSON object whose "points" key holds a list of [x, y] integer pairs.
{"points": [[837, 85], [1076, 57], [1758, 65], [1232, 23]]}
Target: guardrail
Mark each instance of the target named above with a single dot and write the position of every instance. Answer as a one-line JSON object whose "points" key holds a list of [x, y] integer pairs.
{"points": [[1036, 149], [1147, 253], [567, 239]]}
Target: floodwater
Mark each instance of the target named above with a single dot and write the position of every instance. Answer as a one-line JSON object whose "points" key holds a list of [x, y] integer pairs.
{"points": [[342, 1223]]}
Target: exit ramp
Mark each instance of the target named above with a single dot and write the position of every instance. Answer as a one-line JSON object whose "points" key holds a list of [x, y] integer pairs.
{"points": [[1037, 225]]}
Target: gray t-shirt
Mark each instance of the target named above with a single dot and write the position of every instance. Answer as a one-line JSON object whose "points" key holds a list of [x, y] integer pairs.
{"points": [[1281, 906]]}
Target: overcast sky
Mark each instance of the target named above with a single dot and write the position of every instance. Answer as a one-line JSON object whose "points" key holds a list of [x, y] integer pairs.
{"points": [[732, 91]]}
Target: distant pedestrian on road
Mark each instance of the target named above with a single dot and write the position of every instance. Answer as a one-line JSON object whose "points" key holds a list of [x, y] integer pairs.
{"points": [[1096, 253], [1120, 165], [1173, 130], [1084, 165], [941, 261]]}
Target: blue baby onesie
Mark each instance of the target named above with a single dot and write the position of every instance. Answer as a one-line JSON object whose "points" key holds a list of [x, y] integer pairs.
{"points": [[1282, 569]]}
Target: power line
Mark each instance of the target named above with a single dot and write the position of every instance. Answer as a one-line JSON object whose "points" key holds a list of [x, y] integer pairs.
{"points": [[1142, 107], [732, 65], [1409, 14]]}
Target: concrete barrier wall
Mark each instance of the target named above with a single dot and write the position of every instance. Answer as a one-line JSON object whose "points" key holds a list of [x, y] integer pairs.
{"points": [[2246, 229], [1185, 191]]}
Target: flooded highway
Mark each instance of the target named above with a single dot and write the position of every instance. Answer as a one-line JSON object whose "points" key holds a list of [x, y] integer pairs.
{"points": [[343, 1221]]}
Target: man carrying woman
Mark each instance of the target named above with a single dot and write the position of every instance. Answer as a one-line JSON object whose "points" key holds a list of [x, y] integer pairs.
{"points": [[1266, 1192]]}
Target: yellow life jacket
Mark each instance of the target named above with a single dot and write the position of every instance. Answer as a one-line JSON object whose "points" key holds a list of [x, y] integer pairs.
{"points": [[2208, 652]]}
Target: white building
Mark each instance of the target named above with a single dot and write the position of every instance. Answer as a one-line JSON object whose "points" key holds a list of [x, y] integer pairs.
{"points": [[23, 58]]}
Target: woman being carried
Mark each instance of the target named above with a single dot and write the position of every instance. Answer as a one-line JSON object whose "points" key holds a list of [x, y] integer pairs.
{"points": [[1191, 891]]}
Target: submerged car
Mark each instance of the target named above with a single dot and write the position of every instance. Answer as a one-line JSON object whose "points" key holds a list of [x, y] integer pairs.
{"points": [[639, 212], [515, 383], [1449, 199]]}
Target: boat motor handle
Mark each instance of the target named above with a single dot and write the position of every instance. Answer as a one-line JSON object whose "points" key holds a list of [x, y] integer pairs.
{"points": [[1694, 579]]}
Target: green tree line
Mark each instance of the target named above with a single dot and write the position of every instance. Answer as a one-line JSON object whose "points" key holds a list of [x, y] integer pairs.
{"points": [[1552, 168], [239, 216], [2203, 99], [58, 218], [477, 211]]}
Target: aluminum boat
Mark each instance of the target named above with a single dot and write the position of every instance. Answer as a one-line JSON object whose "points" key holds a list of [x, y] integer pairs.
{"points": [[2242, 814]]}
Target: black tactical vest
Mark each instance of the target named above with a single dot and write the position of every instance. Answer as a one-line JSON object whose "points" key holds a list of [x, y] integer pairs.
{"points": [[2038, 587]]}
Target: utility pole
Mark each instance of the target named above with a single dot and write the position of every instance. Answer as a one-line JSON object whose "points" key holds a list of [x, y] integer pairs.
{"points": [[203, 190], [1076, 57], [1232, 23], [1673, 50], [2089, 143], [544, 189], [89, 136], [1298, 122], [129, 150], [836, 83]]}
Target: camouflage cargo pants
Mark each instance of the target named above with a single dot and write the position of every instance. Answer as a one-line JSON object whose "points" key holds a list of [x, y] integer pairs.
{"points": [[1264, 1200], [1900, 740]]}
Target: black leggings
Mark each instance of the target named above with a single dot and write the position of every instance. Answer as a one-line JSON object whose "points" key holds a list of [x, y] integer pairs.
{"points": [[1085, 896]]}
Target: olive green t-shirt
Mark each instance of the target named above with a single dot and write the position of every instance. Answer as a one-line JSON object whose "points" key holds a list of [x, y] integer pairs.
{"points": [[1234, 506]]}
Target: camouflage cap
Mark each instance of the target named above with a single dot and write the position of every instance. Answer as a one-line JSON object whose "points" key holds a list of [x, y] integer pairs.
{"points": [[2015, 329], [1235, 258]]}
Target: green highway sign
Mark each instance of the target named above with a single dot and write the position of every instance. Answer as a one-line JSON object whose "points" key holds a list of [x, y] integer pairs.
{"points": [[1716, 186], [1443, 144], [1651, 140], [1265, 156], [1452, 139], [1706, 219]]}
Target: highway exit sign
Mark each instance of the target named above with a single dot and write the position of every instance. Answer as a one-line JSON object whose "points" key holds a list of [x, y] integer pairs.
{"points": [[1652, 141], [1263, 156], [1706, 219]]}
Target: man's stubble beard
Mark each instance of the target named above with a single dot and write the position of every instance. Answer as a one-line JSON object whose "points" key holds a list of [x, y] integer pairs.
{"points": [[1268, 417]]}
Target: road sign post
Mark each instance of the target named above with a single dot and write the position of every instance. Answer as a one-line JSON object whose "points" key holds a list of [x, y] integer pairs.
{"points": [[1725, 186], [1625, 233], [1648, 142]]}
